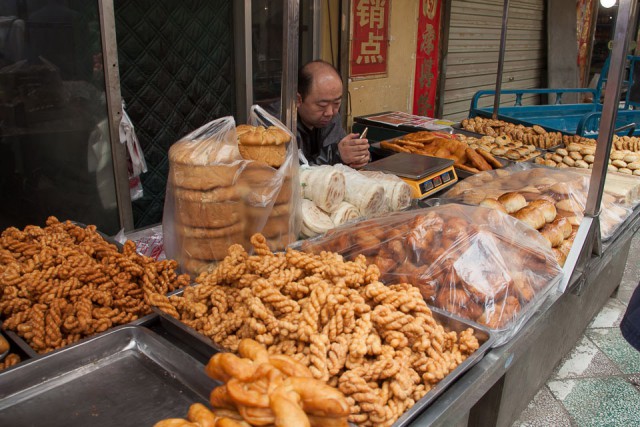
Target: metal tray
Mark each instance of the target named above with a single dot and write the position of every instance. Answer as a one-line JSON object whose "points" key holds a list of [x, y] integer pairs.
{"points": [[13, 348], [457, 128], [462, 174], [18, 343], [128, 376], [142, 321], [187, 335], [450, 322], [31, 353]]}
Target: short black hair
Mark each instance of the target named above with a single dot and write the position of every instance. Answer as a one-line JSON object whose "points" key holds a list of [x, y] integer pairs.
{"points": [[305, 76]]}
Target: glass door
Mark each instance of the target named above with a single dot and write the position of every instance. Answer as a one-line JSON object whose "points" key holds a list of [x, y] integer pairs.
{"points": [[55, 150]]}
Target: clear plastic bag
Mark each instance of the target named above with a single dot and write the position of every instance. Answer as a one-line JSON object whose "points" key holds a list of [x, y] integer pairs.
{"points": [[476, 262], [215, 198], [567, 189]]}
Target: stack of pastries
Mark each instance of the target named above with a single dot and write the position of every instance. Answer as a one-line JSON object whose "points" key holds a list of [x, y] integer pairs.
{"points": [[225, 186], [209, 209]]}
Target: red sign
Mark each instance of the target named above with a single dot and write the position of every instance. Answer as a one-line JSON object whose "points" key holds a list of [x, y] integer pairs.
{"points": [[427, 58], [370, 37]]}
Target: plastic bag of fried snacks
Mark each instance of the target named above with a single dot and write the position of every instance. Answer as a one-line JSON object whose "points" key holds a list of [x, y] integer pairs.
{"points": [[475, 262]]}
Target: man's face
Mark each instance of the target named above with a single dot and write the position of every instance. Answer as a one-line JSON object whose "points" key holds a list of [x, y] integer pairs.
{"points": [[322, 102]]}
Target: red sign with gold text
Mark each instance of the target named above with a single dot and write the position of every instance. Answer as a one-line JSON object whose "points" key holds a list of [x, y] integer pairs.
{"points": [[427, 58], [370, 37]]}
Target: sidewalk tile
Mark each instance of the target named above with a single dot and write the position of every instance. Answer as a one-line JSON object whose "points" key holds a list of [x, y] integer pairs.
{"points": [[610, 315], [599, 402], [635, 380], [585, 360], [616, 348], [544, 411]]}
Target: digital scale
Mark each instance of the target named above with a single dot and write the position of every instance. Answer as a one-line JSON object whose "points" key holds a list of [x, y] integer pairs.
{"points": [[425, 174]]}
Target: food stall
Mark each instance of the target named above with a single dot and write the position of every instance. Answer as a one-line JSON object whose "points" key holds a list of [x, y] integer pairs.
{"points": [[338, 320]]}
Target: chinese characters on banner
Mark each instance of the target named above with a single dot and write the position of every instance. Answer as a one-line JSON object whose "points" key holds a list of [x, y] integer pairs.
{"points": [[370, 37], [427, 58]]}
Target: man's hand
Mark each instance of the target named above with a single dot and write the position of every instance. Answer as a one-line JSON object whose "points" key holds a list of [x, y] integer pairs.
{"points": [[354, 151]]}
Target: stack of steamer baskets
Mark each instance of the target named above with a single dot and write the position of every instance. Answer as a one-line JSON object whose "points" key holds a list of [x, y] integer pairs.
{"points": [[221, 199]]}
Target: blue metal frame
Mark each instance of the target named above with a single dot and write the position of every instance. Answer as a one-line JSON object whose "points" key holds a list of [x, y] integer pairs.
{"points": [[582, 119]]}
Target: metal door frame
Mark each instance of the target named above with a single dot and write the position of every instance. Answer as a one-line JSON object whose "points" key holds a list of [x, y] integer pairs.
{"points": [[114, 111]]}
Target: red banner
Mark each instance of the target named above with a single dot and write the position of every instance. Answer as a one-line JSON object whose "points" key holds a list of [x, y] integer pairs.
{"points": [[584, 9], [427, 58], [370, 37]]}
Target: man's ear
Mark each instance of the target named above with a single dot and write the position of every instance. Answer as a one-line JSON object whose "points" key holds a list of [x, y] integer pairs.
{"points": [[298, 99]]}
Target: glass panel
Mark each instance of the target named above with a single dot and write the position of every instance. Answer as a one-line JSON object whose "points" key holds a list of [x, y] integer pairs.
{"points": [[305, 42], [55, 154], [266, 40], [266, 29]]}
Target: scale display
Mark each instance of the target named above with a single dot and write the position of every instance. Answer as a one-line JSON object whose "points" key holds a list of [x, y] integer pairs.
{"points": [[425, 174]]}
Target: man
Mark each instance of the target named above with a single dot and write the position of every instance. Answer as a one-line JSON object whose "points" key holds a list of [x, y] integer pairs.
{"points": [[320, 133], [630, 324]]}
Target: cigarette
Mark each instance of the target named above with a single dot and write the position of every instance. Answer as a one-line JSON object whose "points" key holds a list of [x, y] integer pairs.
{"points": [[364, 133]]}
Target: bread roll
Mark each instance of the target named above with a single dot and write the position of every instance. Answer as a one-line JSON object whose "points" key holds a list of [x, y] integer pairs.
{"points": [[561, 257], [512, 201], [564, 225], [493, 204], [474, 196], [553, 233], [569, 205], [548, 208], [530, 216]]}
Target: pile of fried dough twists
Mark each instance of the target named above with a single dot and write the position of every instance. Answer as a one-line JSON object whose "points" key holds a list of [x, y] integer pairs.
{"points": [[377, 344], [64, 282], [263, 389]]}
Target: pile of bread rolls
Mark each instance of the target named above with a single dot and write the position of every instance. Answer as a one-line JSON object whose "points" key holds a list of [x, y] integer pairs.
{"points": [[566, 190], [535, 135], [433, 144], [334, 195], [540, 214]]}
